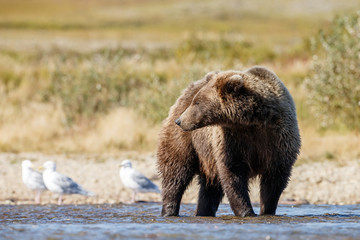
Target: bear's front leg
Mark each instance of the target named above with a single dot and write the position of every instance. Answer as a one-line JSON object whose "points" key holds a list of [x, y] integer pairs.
{"points": [[234, 181]]}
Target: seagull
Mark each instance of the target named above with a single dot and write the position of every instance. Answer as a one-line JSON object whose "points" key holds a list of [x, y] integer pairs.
{"points": [[33, 179], [60, 184], [135, 180]]}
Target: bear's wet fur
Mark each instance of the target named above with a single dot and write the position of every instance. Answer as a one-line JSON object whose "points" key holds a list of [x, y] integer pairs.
{"points": [[227, 128]]}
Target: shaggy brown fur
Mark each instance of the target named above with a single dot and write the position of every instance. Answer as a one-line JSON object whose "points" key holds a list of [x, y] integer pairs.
{"points": [[234, 126]]}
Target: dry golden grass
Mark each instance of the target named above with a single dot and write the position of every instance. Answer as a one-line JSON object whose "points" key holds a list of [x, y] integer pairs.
{"points": [[121, 129], [39, 127], [330, 145], [31, 128]]}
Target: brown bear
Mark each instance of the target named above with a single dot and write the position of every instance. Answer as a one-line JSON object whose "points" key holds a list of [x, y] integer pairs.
{"points": [[227, 128]]}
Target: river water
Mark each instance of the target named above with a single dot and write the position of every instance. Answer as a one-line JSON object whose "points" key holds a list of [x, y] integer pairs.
{"points": [[143, 221]]}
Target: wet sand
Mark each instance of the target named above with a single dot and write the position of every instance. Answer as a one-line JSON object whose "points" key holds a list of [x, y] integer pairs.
{"points": [[315, 183]]}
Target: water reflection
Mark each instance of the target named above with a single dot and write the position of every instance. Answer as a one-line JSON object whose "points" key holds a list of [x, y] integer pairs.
{"points": [[143, 220]]}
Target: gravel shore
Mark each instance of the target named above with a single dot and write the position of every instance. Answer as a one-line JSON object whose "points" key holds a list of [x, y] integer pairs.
{"points": [[315, 183]]}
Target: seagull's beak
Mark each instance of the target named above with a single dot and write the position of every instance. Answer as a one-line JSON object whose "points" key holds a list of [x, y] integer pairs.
{"points": [[41, 168]]}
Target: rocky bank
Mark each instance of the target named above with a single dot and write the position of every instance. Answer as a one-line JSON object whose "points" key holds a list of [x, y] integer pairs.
{"points": [[328, 182]]}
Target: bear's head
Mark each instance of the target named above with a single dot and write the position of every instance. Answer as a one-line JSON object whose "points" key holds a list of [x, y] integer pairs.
{"points": [[217, 102]]}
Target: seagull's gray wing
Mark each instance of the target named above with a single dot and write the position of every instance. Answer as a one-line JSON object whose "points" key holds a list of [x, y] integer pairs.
{"points": [[144, 182], [68, 185]]}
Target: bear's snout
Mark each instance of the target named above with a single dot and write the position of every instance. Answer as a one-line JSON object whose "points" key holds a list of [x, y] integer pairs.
{"points": [[185, 125], [178, 121]]}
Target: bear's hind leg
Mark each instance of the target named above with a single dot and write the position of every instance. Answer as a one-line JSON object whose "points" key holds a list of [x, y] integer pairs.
{"points": [[172, 193], [174, 184], [210, 196], [271, 187]]}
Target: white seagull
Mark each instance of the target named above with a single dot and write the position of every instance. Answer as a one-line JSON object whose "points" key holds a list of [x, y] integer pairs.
{"points": [[60, 184], [33, 179], [135, 180]]}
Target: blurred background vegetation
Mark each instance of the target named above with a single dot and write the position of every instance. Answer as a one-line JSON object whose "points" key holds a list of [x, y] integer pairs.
{"points": [[100, 75]]}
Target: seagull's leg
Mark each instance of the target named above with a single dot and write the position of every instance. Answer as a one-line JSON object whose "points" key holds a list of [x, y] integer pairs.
{"points": [[60, 199], [40, 197], [134, 197], [37, 197]]}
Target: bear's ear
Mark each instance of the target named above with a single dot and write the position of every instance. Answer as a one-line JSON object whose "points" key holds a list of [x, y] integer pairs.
{"points": [[230, 86], [209, 75], [233, 84]]}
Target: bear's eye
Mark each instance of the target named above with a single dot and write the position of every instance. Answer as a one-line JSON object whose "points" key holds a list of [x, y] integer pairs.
{"points": [[196, 102]]}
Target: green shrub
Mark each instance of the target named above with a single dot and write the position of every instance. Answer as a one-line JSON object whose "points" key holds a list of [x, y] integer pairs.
{"points": [[91, 85], [224, 50], [334, 81], [149, 81], [9, 79], [154, 101]]}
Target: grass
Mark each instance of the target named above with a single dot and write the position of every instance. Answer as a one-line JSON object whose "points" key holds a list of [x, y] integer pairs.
{"points": [[100, 76], [165, 21]]}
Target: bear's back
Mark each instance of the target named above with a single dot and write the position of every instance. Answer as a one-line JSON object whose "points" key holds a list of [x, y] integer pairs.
{"points": [[267, 82], [269, 85]]}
